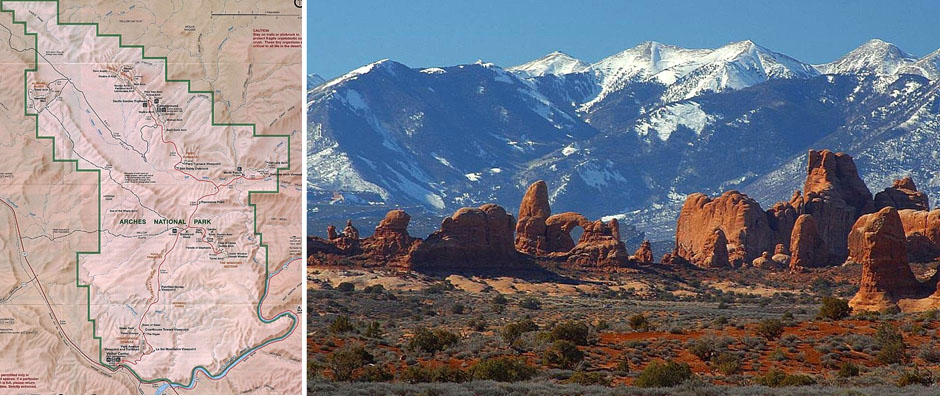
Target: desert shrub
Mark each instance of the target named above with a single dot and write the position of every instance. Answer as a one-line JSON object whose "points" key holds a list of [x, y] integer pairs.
{"points": [[530, 303], [834, 308], [703, 348], [346, 360], [789, 340], [574, 332], [432, 341], [930, 353], [502, 369], [375, 373], [662, 375], [588, 378], [847, 370], [915, 377], [439, 288], [932, 314], [341, 324], [754, 343], [374, 289], [421, 374], [458, 309], [892, 345], [623, 365], [771, 329], [500, 299], [373, 330], [776, 378], [727, 363], [639, 322], [512, 331], [563, 354], [478, 324], [346, 287]]}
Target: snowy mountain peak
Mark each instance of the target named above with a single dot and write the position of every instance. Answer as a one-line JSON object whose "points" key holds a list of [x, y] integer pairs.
{"points": [[873, 57], [691, 72], [384, 65], [556, 63]]}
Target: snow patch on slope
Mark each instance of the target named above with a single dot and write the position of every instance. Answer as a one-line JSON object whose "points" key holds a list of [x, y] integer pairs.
{"points": [[665, 120]]}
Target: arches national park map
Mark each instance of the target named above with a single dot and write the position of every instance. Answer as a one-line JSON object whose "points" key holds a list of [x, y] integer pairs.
{"points": [[150, 197]]}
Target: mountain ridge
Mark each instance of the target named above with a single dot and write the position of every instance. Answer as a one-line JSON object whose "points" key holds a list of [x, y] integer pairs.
{"points": [[444, 137]]}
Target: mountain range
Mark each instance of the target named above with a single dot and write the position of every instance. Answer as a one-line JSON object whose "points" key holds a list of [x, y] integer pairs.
{"points": [[629, 136]]}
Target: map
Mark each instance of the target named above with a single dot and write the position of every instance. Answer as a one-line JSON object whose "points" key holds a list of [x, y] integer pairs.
{"points": [[150, 197]]}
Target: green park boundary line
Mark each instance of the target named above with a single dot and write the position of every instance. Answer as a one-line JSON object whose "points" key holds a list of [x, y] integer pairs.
{"points": [[254, 207]]}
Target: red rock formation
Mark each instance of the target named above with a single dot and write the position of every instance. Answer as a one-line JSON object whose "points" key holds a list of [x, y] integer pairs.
{"points": [[877, 242], [781, 218], [614, 228], [902, 195], [349, 231], [714, 251], [348, 241], [599, 246], [922, 231], [558, 231], [533, 212], [836, 196], [390, 242], [743, 224], [331, 232], [807, 248], [471, 239], [644, 254]]}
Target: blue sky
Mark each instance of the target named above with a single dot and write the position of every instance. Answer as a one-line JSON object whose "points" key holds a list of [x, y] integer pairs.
{"points": [[345, 34]]}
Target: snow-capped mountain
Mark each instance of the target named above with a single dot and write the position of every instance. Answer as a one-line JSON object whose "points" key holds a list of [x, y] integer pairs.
{"points": [[880, 57], [629, 136], [684, 73], [556, 63]]}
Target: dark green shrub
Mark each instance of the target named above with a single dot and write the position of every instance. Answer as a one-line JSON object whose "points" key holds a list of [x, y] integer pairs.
{"points": [[771, 329], [588, 378], [341, 324], [530, 303], [432, 341], [915, 377], [458, 309], [512, 331], [703, 348], [423, 374], [502, 369], [834, 308], [500, 299], [346, 360], [375, 373], [563, 354], [662, 375], [776, 378], [639, 322], [373, 330], [346, 287], [848, 370], [574, 332], [727, 363], [374, 289], [893, 349]]}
